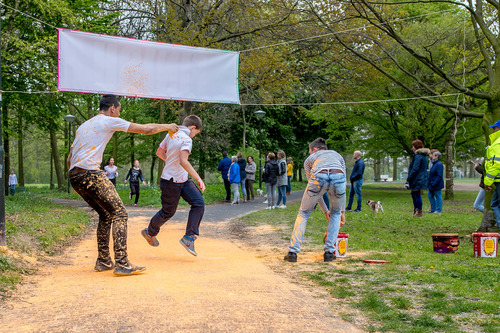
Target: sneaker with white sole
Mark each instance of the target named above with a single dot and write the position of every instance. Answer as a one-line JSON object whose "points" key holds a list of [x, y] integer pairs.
{"points": [[129, 269], [188, 243], [265, 201], [102, 266], [151, 239], [130, 196]]}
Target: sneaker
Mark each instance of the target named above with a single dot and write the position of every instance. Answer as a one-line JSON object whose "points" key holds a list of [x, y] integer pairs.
{"points": [[282, 206], [265, 201], [357, 211], [273, 207], [430, 212], [135, 205], [348, 209], [101, 266], [269, 207], [128, 269], [188, 243], [291, 257], [151, 239], [130, 196], [328, 256]]}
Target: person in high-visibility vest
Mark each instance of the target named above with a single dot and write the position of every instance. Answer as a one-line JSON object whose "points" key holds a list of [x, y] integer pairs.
{"points": [[492, 168]]}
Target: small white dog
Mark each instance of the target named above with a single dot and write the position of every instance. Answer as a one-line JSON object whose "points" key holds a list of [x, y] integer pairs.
{"points": [[375, 206], [260, 193]]}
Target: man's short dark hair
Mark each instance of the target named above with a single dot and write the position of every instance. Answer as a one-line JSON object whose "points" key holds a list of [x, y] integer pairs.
{"points": [[108, 101], [319, 143], [224, 154], [192, 120]]}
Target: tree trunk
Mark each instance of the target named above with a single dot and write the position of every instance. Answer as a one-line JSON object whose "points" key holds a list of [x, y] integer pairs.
{"points": [[394, 168], [450, 160], [376, 169], [20, 155], [57, 160], [51, 186], [161, 163], [115, 147], [6, 146], [132, 153], [90, 109], [244, 130]]}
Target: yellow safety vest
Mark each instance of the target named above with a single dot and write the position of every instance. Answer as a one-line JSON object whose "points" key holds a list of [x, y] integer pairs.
{"points": [[492, 163]]}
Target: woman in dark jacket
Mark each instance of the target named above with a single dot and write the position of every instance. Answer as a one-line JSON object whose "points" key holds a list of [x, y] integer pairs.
{"points": [[270, 177], [436, 183], [417, 175]]}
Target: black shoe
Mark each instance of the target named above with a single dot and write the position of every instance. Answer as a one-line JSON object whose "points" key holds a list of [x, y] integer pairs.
{"points": [[348, 209], [128, 269], [356, 211], [329, 256], [291, 257], [101, 266]]}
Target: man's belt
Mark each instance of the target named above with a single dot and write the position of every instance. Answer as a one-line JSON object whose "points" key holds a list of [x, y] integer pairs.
{"points": [[331, 171], [76, 170]]}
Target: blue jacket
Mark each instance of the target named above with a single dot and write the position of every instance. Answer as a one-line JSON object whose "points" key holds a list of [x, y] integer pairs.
{"points": [[234, 173], [436, 181], [223, 167], [357, 170], [417, 173], [242, 163]]}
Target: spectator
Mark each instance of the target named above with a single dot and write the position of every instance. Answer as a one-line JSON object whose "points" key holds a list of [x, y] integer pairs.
{"points": [[135, 173], [356, 181], [479, 202], [436, 183], [289, 172], [492, 174], [418, 175], [243, 174], [270, 177], [110, 170], [250, 169], [282, 179], [12, 182], [223, 167], [235, 179]]}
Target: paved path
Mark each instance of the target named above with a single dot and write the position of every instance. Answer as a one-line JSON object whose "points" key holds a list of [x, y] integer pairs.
{"points": [[225, 289]]}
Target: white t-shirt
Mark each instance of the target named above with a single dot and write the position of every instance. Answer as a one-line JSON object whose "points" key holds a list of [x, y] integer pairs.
{"points": [[174, 145], [91, 138], [112, 174]]}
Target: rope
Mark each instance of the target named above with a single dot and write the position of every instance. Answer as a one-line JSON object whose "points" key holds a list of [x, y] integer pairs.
{"points": [[28, 15]]}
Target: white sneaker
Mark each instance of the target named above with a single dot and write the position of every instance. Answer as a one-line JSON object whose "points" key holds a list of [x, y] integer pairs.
{"points": [[282, 206], [273, 207], [269, 207], [265, 201]]}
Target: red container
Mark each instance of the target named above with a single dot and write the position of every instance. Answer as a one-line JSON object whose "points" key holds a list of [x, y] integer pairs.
{"points": [[340, 244], [485, 244], [445, 243]]}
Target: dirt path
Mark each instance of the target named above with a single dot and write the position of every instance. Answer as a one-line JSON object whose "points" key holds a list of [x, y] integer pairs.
{"points": [[225, 288]]}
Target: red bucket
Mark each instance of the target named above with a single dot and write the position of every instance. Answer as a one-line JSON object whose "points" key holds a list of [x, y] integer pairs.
{"points": [[485, 244], [340, 244], [445, 243]]}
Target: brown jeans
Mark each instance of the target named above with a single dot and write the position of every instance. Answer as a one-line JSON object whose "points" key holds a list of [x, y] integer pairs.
{"points": [[100, 193]]}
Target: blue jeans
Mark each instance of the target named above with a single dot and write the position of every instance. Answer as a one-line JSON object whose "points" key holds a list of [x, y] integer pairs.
{"points": [[495, 203], [417, 199], [289, 186], [479, 203], [281, 195], [243, 191], [12, 189], [355, 189], [335, 185], [170, 194], [271, 194], [436, 200]]}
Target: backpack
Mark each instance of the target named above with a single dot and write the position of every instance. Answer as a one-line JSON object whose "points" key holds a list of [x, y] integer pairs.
{"points": [[282, 168]]}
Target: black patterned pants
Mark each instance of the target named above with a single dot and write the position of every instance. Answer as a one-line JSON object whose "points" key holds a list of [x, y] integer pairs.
{"points": [[100, 193]]}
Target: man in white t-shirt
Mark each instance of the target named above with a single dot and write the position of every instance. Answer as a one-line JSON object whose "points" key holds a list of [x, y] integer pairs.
{"points": [[175, 183], [96, 189]]}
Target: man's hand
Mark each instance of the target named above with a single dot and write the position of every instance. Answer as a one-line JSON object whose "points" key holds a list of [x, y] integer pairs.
{"points": [[143, 182], [201, 184], [125, 182], [172, 128], [327, 215], [488, 188], [342, 218]]}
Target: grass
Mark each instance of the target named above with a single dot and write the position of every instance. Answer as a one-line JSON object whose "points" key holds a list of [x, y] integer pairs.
{"points": [[419, 290], [35, 226]]}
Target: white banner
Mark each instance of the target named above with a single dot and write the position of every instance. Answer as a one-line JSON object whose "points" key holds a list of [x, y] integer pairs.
{"points": [[100, 64]]}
